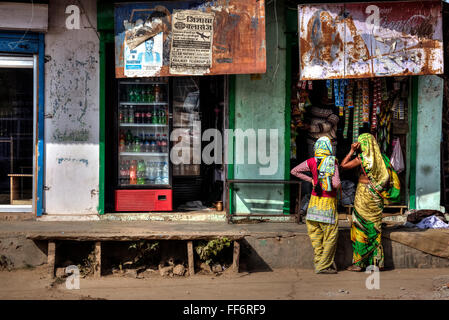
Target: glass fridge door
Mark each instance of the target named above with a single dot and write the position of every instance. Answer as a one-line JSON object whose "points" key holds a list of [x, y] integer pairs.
{"points": [[144, 134], [186, 113]]}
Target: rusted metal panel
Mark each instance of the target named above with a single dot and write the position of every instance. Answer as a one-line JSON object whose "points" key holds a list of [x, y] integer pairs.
{"points": [[238, 44], [373, 39]]}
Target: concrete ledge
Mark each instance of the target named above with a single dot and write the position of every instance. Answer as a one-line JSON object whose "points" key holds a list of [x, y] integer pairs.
{"points": [[192, 216], [264, 246], [68, 217], [17, 216]]}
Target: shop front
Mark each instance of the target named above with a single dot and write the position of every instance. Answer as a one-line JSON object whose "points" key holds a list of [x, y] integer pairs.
{"points": [[372, 68], [164, 100], [21, 108]]}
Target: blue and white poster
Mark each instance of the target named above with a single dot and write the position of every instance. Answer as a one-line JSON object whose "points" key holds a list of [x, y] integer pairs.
{"points": [[145, 60]]}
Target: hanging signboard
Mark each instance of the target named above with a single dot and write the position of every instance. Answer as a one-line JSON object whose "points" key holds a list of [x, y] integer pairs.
{"points": [[189, 38], [372, 39]]}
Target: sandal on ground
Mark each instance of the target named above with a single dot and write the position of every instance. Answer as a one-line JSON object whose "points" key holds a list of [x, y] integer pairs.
{"points": [[327, 271], [354, 268]]}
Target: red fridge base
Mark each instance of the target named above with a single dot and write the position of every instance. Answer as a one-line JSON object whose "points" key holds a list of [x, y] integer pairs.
{"points": [[143, 200]]}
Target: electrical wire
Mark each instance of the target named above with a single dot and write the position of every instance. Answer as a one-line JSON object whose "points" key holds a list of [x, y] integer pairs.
{"points": [[88, 20], [277, 42], [26, 31]]}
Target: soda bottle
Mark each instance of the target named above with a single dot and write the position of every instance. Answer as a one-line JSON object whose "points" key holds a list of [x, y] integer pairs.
{"points": [[122, 172], [158, 143], [137, 115], [148, 172], [126, 172], [132, 94], [146, 145], [121, 114], [154, 117], [128, 140], [136, 147], [157, 93], [165, 173], [125, 114], [141, 141], [133, 172], [148, 116], [122, 143], [136, 94], [164, 143], [162, 118], [151, 94], [131, 114], [141, 170], [153, 145]]}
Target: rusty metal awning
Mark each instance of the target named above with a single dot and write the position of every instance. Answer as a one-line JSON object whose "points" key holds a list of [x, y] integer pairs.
{"points": [[372, 39]]}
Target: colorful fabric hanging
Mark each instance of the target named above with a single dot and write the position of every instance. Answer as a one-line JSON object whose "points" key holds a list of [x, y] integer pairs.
{"points": [[339, 92], [357, 108], [377, 96], [329, 86], [349, 106], [365, 100]]}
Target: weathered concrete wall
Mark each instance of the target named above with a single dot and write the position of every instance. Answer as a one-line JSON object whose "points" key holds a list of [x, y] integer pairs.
{"points": [[296, 252], [19, 252], [430, 104], [260, 104], [71, 102], [258, 253]]}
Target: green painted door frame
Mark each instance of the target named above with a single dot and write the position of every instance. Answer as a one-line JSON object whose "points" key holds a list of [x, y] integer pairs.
{"points": [[105, 23], [413, 141]]}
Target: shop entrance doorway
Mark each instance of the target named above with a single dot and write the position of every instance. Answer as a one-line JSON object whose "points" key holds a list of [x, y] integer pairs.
{"points": [[17, 92]]}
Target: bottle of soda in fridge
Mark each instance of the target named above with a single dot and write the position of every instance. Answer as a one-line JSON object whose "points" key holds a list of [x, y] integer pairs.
{"points": [[129, 141], [131, 114], [121, 115], [122, 143], [164, 143], [133, 172], [122, 172], [154, 119], [126, 173], [141, 171], [137, 116], [153, 145], [148, 116], [159, 143]]}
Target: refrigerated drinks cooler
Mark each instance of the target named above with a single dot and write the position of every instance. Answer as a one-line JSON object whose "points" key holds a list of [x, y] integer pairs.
{"points": [[144, 169]]}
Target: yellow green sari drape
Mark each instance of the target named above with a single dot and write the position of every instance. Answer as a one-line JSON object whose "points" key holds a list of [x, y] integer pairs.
{"points": [[368, 206]]}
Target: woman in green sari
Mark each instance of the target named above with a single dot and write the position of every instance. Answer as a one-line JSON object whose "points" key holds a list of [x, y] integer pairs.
{"points": [[368, 203]]}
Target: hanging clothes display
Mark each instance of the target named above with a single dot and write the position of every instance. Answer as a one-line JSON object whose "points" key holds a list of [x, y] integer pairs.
{"points": [[357, 110], [349, 105]]}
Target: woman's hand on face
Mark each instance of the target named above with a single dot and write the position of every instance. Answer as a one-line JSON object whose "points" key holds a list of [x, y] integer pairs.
{"points": [[355, 146]]}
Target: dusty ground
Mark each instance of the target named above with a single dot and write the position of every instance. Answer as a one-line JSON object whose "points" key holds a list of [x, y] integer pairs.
{"points": [[280, 284]]}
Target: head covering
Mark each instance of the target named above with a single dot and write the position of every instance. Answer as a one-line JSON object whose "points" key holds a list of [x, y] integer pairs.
{"points": [[325, 162], [372, 161]]}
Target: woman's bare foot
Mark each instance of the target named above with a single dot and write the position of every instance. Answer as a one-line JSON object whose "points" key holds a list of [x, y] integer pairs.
{"points": [[354, 268]]}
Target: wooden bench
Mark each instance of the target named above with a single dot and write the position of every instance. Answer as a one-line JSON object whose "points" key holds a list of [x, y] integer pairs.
{"points": [[51, 258], [14, 188]]}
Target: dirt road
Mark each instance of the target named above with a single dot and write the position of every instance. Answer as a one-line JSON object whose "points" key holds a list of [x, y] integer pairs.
{"points": [[280, 284]]}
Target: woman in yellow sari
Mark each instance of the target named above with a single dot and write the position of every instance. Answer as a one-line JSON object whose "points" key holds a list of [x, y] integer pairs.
{"points": [[368, 203]]}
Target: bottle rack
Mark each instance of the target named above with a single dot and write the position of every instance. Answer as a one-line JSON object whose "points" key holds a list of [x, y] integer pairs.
{"points": [[143, 134]]}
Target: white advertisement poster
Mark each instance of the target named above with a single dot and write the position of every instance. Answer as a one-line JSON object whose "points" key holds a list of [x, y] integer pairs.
{"points": [[145, 60], [191, 45]]}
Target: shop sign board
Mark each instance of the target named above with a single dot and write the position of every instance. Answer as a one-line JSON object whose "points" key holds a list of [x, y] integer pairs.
{"points": [[189, 38], [370, 39]]}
